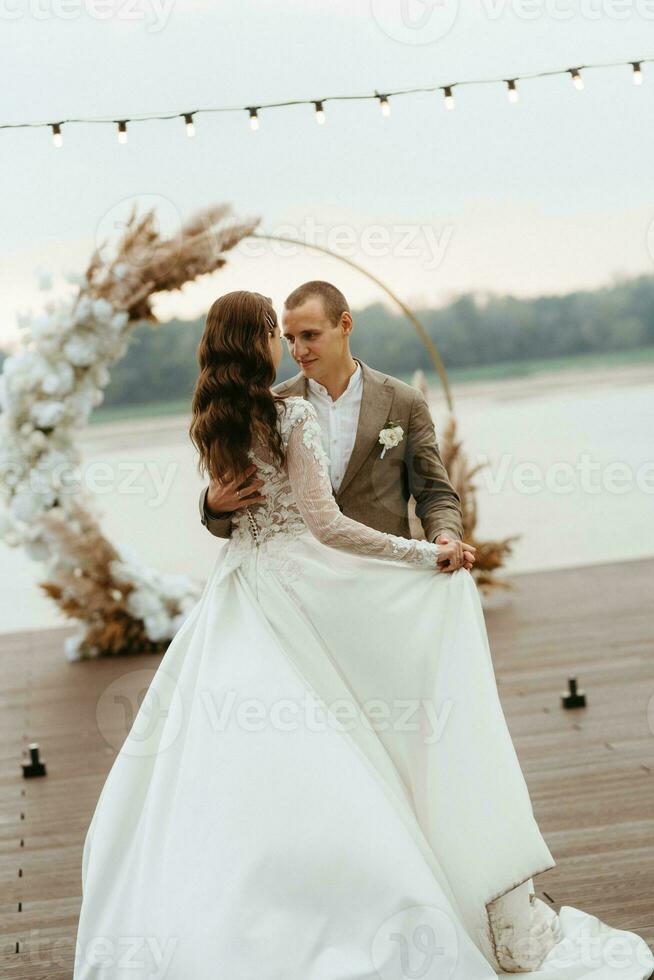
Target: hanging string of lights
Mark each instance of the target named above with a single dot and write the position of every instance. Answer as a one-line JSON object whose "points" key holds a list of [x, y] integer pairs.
{"points": [[383, 99]]}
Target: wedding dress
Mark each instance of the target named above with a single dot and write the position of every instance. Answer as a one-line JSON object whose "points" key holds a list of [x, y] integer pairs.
{"points": [[320, 783]]}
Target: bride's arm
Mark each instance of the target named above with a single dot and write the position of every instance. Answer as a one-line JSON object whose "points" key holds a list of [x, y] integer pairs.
{"points": [[308, 472]]}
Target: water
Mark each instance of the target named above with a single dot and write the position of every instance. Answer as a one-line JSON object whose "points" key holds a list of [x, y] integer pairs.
{"points": [[571, 471]]}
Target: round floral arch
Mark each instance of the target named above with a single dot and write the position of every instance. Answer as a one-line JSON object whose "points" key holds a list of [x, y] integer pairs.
{"points": [[48, 390]]}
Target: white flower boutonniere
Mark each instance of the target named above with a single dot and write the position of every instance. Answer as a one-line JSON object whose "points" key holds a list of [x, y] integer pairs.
{"points": [[391, 435]]}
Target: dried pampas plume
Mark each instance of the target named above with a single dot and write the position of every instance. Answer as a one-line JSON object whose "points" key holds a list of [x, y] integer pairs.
{"points": [[145, 263]]}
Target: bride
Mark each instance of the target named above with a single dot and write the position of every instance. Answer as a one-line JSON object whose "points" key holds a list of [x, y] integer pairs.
{"points": [[320, 783]]}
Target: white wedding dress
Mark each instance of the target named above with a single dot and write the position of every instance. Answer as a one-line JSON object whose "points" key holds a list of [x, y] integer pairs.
{"points": [[320, 783]]}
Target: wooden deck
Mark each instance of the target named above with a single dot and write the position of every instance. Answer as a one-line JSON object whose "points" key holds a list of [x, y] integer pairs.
{"points": [[590, 771]]}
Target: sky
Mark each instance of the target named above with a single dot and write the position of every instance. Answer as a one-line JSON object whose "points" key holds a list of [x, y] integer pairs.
{"points": [[547, 195]]}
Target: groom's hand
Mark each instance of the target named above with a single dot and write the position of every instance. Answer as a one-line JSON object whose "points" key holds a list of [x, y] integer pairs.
{"points": [[224, 498], [456, 554]]}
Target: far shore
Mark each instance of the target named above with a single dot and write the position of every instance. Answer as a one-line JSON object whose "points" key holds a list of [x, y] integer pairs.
{"points": [[162, 419]]}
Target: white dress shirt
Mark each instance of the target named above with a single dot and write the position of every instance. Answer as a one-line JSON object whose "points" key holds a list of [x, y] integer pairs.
{"points": [[338, 421]]}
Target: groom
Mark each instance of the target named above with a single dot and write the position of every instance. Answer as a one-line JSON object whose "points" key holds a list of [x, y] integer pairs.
{"points": [[354, 403]]}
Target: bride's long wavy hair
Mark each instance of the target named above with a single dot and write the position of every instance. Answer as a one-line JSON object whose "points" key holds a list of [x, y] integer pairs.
{"points": [[232, 397]]}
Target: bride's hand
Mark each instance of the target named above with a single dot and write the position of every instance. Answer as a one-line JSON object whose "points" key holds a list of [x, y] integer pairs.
{"points": [[241, 492], [454, 554]]}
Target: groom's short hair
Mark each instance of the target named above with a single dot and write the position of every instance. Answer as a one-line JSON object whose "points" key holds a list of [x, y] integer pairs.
{"points": [[333, 301]]}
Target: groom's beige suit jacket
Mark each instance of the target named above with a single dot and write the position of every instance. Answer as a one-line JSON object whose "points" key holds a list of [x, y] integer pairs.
{"points": [[382, 492]]}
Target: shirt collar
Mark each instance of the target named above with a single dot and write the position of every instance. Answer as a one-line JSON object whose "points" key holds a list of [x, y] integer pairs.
{"points": [[356, 379]]}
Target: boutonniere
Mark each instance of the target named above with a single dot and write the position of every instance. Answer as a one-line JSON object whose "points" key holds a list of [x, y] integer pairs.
{"points": [[391, 435]]}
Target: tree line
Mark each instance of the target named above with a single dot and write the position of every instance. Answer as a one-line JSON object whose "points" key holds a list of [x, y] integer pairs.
{"points": [[472, 329]]}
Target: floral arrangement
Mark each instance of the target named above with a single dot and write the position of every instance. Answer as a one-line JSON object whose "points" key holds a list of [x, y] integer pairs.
{"points": [[48, 390]]}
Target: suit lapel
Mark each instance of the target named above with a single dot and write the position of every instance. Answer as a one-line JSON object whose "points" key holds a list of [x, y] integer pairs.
{"points": [[376, 399]]}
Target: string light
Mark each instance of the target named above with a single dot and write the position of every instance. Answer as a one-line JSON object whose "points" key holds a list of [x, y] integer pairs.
{"points": [[449, 98], [319, 105], [576, 78], [190, 127]]}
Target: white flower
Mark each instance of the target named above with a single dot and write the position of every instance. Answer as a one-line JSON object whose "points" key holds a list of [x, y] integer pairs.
{"points": [[81, 349], [24, 370], [72, 646], [84, 308], [89, 390], [42, 326], [52, 473], [37, 441], [157, 627], [60, 380], [102, 310], [142, 604], [390, 436], [47, 413], [25, 504]]}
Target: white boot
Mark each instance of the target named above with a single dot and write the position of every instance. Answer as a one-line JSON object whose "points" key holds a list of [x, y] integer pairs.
{"points": [[524, 929]]}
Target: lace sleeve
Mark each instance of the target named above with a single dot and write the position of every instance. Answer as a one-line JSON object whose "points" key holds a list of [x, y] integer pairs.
{"points": [[308, 472]]}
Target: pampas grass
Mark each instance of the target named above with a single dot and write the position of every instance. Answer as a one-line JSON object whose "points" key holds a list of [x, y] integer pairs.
{"points": [[83, 586], [491, 555], [146, 264]]}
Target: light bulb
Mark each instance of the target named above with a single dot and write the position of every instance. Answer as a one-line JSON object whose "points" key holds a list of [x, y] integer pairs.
{"points": [[57, 138], [577, 79], [320, 113], [254, 120], [512, 90], [190, 127], [122, 131], [449, 98], [638, 75], [384, 105]]}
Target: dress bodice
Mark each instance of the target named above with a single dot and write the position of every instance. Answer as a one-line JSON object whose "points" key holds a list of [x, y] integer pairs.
{"points": [[261, 534], [278, 514], [298, 499]]}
